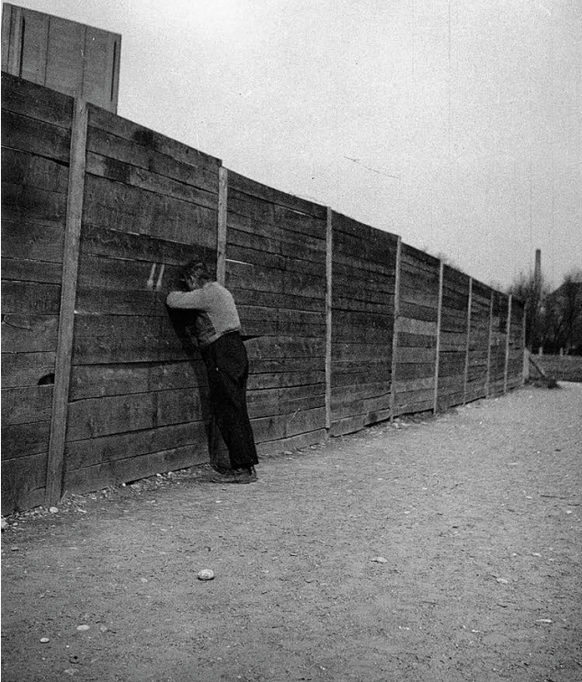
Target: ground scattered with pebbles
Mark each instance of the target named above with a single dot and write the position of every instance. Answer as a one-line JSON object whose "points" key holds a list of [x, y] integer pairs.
{"points": [[439, 549]]}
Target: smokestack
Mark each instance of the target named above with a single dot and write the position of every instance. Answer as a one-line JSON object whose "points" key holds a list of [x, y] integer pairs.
{"points": [[538, 271]]}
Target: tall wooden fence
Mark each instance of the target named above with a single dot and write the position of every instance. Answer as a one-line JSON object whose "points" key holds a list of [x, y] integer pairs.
{"points": [[344, 324]]}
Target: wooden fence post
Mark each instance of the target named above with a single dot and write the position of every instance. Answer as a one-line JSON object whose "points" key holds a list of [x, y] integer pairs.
{"points": [[468, 341], [438, 338], [222, 219], [525, 364], [489, 338], [328, 316], [64, 351], [395, 327], [507, 344]]}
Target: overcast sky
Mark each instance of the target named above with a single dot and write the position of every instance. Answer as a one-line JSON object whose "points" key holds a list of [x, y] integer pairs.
{"points": [[454, 123]]}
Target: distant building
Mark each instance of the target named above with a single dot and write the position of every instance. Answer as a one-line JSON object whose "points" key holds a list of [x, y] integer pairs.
{"points": [[64, 55]]}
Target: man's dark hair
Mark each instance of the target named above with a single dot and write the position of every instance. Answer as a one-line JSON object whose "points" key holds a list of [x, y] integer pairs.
{"points": [[198, 270]]}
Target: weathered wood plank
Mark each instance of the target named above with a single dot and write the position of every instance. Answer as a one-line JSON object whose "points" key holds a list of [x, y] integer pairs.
{"points": [[124, 129], [22, 440], [121, 172], [28, 169], [132, 468], [201, 172], [36, 137], [26, 333], [68, 290], [26, 204], [119, 414], [27, 369], [27, 404], [99, 380], [25, 270], [132, 209], [32, 240], [268, 194], [85, 453], [21, 96], [30, 298], [23, 481]]}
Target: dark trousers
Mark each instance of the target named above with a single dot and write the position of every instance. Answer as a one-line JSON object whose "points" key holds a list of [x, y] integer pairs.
{"points": [[228, 369]]}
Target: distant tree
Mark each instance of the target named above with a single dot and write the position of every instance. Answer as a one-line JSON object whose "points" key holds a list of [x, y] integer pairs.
{"points": [[562, 315], [553, 319]]}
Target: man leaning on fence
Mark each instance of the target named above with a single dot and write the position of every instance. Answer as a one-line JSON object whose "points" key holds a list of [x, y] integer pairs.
{"points": [[217, 329]]}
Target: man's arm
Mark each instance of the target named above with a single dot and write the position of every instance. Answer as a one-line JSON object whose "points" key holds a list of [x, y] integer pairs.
{"points": [[194, 300]]}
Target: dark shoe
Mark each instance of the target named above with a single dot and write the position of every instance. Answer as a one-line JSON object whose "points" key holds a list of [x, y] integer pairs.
{"points": [[236, 476]]}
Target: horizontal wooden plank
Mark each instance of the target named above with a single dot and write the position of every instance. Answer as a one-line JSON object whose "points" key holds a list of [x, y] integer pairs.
{"points": [[26, 270], [420, 296], [35, 136], [283, 299], [22, 96], [416, 326], [27, 333], [31, 170], [282, 347], [418, 312], [243, 185], [417, 258], [120, 414], [92, 301], [131, 469], [32, 240], [364, 250], [23, 482], [103, 241], [92, 381], [27, 404], [406, 340], [85, 453], [304, 421], [151, 140], [138, 148], [22, 440], [30, 298], [27, 369], [286, 377], [413, 371], [132, 209], [23, 204], [414, 355], [414, 384], [263, 235], [142, 179], [298, 441]]}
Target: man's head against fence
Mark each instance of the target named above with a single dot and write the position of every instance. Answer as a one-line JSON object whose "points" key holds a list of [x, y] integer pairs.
{"points": [[196, 274]]}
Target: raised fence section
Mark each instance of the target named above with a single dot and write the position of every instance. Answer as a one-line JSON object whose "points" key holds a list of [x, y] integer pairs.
{"points": [[344, 324]]}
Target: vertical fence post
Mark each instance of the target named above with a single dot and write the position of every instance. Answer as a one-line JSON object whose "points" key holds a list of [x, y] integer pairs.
{"points": [[222, 218], [64, 351], [507, 344], [395, 328], [13, 16], [438, 338], [489, 339], [328, 316], [468, 341], [525, 364]]}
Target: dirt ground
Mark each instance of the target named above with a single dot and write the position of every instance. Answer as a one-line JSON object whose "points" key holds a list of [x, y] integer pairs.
{"points": [[432, 550]]}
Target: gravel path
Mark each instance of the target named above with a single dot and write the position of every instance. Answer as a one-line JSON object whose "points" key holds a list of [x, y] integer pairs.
{"points": [[431, 550]]}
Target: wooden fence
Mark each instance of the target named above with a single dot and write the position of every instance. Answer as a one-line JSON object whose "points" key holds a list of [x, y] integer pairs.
{"points": [[344, 324]]}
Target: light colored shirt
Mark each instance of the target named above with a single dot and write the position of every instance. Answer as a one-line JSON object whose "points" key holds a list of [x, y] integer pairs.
{"points": [[217, 313]]}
